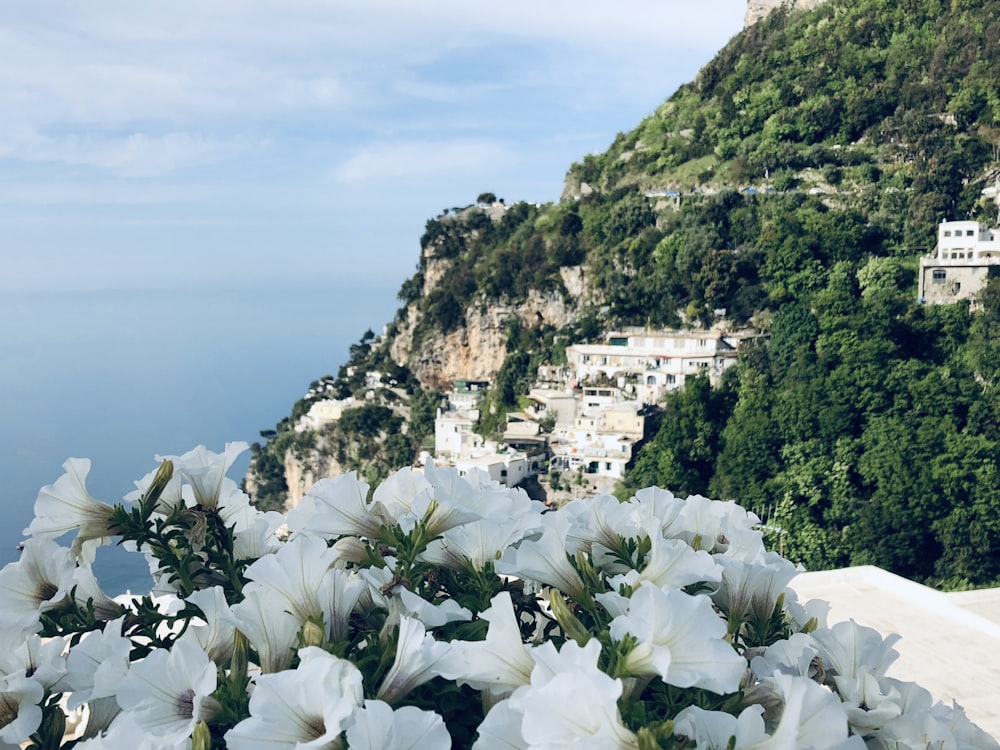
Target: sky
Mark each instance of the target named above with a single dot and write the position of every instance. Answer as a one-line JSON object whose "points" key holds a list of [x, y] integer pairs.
{"points": [[207, 144]]}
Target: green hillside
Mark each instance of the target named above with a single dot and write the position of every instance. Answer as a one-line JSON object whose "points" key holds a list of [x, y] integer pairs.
{"points": [[794, 183]]}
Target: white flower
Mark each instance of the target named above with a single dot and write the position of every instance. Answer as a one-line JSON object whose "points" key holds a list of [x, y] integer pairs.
{"points": [[96, 666], [601, 520], [671, 564], [20, 714], [792, 656], [215, 636], [570, 703], [717, 526], [811, 719], [750, 590], [848, 649], [339, 595], [295, 573], [681, 639], [263, 618], [205, 471], [393, 500], [307, 707], [169, 692], [39, 581], [501, 662], [336, 507], [431, 614], [473, 544], [378, 727], [418, 659], [501, 729], [169, 498], [543, 560], [67, 506], [259, 538]]}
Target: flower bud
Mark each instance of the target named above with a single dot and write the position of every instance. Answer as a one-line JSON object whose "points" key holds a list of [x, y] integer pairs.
{"points": [[567, 620], [156, 487], [313, 634], [201, 738]]}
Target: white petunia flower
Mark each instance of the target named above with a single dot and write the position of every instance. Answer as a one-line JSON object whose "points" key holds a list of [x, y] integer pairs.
{"points": [[431, 614], [67, 506], [419, 658], [500, 663], [169, 692], [205, 471], [671, 564], [20, 714], [681, 639], [215, 633], [39, 581], [393, 500], [472, 545], [336, 507], [501, 729], [295, 573], [96, 666], [338, 596], [570, 703], [849, 649], [259, 538], [307, 707], [543, 560], [263, 618], [750, 590], [378, 727]]}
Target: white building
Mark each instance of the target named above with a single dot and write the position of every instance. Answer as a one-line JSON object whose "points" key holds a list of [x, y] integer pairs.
{"points": [[966, 256], [658, 361], [453, 432], [323, 412], [600, 441], [508, 468]]}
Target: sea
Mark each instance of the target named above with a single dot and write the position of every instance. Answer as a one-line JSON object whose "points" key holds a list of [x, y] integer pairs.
{"points": [[119, 376]]}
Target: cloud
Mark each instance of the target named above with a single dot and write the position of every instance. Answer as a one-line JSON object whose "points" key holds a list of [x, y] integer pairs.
{"points": [[405, 160], [129, 155]]}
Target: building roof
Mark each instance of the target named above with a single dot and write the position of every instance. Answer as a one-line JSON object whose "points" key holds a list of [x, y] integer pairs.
{"points": [[950, 642]]}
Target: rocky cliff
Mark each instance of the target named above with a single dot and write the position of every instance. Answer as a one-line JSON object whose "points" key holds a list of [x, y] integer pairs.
{"points": [[758, 9]]}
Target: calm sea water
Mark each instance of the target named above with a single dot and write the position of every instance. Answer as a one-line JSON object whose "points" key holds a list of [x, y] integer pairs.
{"points": [[120, 376]]}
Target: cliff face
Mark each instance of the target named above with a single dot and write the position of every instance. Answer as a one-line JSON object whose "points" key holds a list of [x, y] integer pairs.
{"points": [[476, 349], [758, 9]]}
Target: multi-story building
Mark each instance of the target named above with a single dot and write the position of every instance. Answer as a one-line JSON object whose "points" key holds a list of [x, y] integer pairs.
{"points": [[654, 361], [967, 255]]}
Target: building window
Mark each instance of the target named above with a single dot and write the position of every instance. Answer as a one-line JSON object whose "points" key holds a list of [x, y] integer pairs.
{"points": [[954, 255], [969, 233], [938, 276], [503, 472], [947, 233]]}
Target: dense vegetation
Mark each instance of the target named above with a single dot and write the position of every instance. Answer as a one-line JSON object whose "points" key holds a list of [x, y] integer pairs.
{"points": [[794, 183]]}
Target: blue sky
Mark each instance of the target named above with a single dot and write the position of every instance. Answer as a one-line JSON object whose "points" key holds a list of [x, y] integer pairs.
{"points": [[277, 142]]}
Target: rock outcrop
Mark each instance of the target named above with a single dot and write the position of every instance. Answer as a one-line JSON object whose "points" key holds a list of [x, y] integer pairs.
{"points": [[476, 350], [758, 9]]}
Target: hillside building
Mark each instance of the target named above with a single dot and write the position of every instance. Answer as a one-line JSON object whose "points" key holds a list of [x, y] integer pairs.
{"points": [[967, 255], [654, 362], [324, 412]]}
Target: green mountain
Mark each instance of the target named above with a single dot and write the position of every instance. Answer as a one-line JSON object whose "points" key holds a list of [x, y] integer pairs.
{"points": [[794, 183]]}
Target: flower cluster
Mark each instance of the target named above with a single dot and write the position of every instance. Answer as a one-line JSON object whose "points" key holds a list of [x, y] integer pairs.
{"points": [[436, 611]]}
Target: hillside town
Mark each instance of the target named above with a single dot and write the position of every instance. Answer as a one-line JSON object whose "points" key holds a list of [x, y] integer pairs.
{"points": [[583, 421]]}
